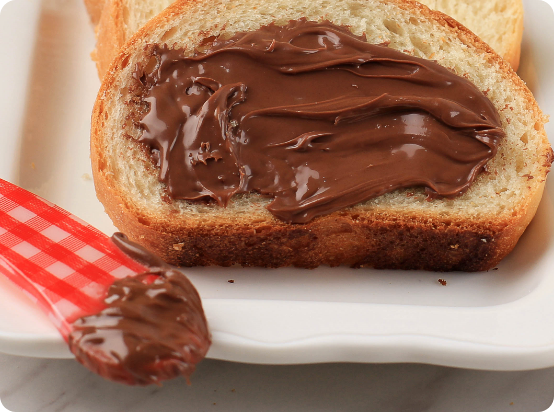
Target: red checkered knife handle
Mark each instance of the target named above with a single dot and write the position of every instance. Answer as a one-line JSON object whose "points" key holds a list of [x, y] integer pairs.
{"points": [[64, 264]]}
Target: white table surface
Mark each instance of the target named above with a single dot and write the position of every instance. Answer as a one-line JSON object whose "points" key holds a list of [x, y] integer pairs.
{"points": [[48, 385], [32, 384]]}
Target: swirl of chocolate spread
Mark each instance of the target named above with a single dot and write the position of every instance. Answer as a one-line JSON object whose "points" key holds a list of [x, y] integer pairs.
{"points": [[314, 117], [152, 329]]}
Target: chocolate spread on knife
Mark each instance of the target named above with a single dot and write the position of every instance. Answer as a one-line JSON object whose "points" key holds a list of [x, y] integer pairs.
{"points": [[152, 329], [314, 117]]}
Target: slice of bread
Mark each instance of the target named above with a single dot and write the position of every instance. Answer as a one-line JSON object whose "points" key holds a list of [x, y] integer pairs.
{"points": [[402, 229], [498, 22]]}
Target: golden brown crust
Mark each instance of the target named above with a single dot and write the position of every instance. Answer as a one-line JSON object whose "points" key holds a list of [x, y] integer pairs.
{"points": [[379, 239], [371, 238], [110, 35], [94, 9]]}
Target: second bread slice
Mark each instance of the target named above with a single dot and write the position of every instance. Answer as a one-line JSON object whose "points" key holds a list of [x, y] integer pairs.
{"points": [[498, 22]]}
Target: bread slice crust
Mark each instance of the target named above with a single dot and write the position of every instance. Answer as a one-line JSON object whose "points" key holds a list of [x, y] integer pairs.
{"points": [[380, 240], [408, 232]]}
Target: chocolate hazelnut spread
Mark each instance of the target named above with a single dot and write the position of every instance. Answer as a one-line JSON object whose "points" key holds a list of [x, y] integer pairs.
{"points": [[314, 117], [152, 329]]}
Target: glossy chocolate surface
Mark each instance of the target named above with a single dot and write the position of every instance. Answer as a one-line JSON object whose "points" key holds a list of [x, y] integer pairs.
{"points": [[314, 117], [152, 329]]}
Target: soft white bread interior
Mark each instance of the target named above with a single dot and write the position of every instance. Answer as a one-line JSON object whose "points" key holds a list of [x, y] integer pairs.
{"points": [[498, 22], [402, 229]]}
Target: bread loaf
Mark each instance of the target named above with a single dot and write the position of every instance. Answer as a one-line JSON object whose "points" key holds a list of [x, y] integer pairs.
{"points": [[402, 229], [498, 22]]}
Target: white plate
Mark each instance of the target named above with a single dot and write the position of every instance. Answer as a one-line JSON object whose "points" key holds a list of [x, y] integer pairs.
{"points": [[502, 319]]}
